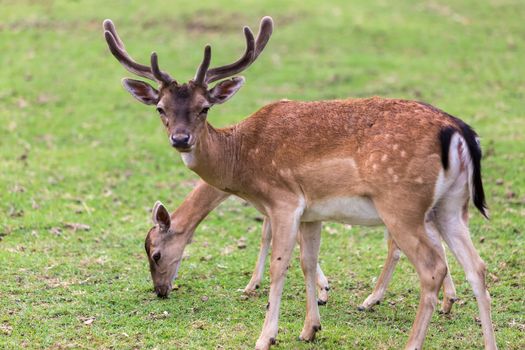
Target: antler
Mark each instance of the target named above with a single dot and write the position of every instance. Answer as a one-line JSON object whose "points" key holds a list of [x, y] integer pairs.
{"points": [[116, 46], [253, 50]]}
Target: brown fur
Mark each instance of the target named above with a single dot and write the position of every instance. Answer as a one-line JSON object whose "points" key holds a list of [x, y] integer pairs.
{"points": [[283, 141]]}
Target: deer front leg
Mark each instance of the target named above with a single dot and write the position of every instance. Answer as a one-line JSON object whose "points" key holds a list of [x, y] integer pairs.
{"points": [[384, 278], [258, 272], [322, 282], [285, 224], [310, 241]]}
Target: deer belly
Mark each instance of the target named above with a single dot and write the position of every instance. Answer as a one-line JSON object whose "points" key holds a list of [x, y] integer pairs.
{"points": [[349, 210]]}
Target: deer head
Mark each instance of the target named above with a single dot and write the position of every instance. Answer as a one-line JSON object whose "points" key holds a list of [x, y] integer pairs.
{"points": [[183, 108], [164, 248]]}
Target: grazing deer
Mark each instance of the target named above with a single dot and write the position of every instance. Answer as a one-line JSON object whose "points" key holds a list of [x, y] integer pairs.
{"points": [[165, 242], [374, 161]]}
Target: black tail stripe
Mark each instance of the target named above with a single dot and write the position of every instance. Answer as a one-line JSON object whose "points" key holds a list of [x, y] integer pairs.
{"points": [[445, 136]]}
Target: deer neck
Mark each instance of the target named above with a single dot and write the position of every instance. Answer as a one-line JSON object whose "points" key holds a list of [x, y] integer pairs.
{"points": [[195, 207], [214, 157]]}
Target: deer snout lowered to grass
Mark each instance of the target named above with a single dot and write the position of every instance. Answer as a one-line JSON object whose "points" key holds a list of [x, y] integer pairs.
{"points": [[375, 161]]}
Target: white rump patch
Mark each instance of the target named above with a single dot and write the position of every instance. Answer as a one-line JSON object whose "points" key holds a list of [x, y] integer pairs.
{"points": [[452, 182]]}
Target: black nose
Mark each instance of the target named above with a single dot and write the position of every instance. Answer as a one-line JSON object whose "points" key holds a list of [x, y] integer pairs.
{"points": [[180, 140], [162, 291]]}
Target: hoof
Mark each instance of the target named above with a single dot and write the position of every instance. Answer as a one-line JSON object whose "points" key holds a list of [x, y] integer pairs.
{"points": [[308, 334], [321, 302], [446, 307], [361, 308]]}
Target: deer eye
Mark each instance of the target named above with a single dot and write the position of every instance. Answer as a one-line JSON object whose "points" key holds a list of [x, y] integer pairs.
{"points": [[160, 110], [156, 257], [205, 110]]}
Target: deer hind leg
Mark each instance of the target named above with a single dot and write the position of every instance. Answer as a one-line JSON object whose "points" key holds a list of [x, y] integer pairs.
{"points": [[449, 290], [394, 253], [310, 240], [322, 287], [424, 251], [457, 236], [322, 282], [285, 224], [258, 272]]}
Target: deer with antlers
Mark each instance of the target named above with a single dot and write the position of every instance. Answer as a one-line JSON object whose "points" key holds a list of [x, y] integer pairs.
{"points": [[375, 161]]}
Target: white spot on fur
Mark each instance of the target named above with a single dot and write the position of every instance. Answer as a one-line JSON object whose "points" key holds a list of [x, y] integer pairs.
{"points": [[403, 154], [374, 166], [390, 171], [395, 147], [339, 162], [285, 172], [384, 158], [419, 180], [396, 178]]}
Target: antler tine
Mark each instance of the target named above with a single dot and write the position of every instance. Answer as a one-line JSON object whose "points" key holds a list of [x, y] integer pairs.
{"points": [[117, 48], [159, 75], [126, 60], [265, 31], [110, 27], [253, 50], [200, 75], [217, 73]]}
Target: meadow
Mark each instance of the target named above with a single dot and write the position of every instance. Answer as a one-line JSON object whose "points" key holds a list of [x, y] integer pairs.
{"points": [[82, 163]]}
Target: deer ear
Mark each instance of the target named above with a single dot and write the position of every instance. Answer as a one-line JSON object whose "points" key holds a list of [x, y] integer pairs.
{"points": [[161, 216], [142, 91], [224, 90]]}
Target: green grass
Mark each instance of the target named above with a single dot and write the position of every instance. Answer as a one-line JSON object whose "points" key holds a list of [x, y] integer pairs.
{"points": [[76, 148]]}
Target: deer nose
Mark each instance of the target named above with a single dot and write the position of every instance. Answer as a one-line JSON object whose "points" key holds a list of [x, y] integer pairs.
{"points": [[180, 140], [163, 291]]}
